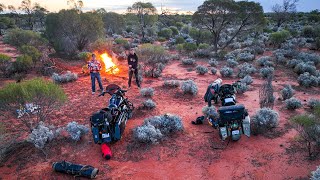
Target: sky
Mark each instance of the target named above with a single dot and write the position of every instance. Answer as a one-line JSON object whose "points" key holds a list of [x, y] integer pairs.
{"points": [[178, 5]]}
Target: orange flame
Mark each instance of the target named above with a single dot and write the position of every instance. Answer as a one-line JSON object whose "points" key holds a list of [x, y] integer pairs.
{"points": [[111, 68]]}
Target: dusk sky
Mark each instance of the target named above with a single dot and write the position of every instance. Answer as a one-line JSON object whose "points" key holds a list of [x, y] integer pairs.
{"points": [[179, 5]]}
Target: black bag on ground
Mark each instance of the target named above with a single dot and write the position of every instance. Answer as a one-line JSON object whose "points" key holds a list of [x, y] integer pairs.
{"points": [[75, 169]]}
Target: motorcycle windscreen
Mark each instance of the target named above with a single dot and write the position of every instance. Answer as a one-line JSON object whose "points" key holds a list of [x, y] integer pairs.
{"points": [[246, 126]]}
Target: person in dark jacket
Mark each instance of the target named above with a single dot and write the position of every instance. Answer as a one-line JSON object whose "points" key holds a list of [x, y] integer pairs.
{"points": [[133, 67]]}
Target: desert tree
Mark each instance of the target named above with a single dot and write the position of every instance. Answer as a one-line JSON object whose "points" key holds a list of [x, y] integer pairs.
{"points": [[266, 97], [75, 4], [282, 13], [26, 7], [146, 14], [169, 17], [39, 13], [2, 7], [75, 32], [113, 22], [227, 19]]}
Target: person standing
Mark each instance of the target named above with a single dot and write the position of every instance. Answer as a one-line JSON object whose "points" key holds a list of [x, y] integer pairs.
{"points": [[95, 67], [133, 67]]}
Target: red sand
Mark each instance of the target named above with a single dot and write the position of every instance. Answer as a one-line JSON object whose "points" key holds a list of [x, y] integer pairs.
{"points": [[197, 153]]}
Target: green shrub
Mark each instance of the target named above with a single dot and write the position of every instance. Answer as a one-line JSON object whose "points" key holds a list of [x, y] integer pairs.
{"points": [[203, 46], [121, 41], [161, 39], [308, 31], [179, 47], [85, 56], [4, 62], [165, 32], [31, 51], [45, 94], [19, 37], [279, 37], [189, 47], [180, 40], [317, 43], [174, 30], [23, 64]]}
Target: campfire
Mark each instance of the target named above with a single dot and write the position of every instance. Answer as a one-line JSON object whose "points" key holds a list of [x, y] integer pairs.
{"points": [[110, 66]]}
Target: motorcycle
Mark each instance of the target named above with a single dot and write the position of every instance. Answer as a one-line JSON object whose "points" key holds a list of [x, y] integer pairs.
{"points": [[108, 124]]}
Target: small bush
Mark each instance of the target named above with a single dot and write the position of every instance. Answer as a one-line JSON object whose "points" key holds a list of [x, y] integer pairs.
{"points": [[171, 83], [287, 92], [189, 47], [189, 87], [202, 53], [265, 61], [121, 41], [226, 72], [280, 59], [305, 67], [165, 32], [76, 131], [312, 103], [293, 103], [4, 62], [203, 46], [201, 70], [242, 88], [100, 45], [247, 80], [246, 57], [180, 40], [31, 51], [277, 38], [40, 136], [149, 104], [213, 63], [64, 78], [85, 56], [246, 69], [232, 63], [308, 32], [19, 37], [307, 80], [147, 92], [315, 175], [156, 128], [188, 61], [293, 63], [210, 111], [264, 120], [214, 71], [266, 72], [22, 64]]}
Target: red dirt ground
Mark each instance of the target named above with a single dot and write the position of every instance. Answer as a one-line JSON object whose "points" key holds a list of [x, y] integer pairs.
{"points": [[197, 153]]}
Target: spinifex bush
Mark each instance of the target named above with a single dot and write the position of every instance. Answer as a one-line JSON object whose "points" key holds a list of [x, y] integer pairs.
{"points": [[242, 88], [201, 69], [246, 69], [312, 103], [156, 128], [226, 71], [40, 136], [188, 61], [265, 61], [4, 62], [147, 92], [293, 63], [45, 94], [213, 71], [64, 78], [232, 63], [266, 72], [307, 80], [287, 92], [210, 111], [246, 57], [213, 62], [305, 67], [149, 104], [76, 131], [247, 80], [171, 83], [293, 103], [265, 119], [189, 87]]}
